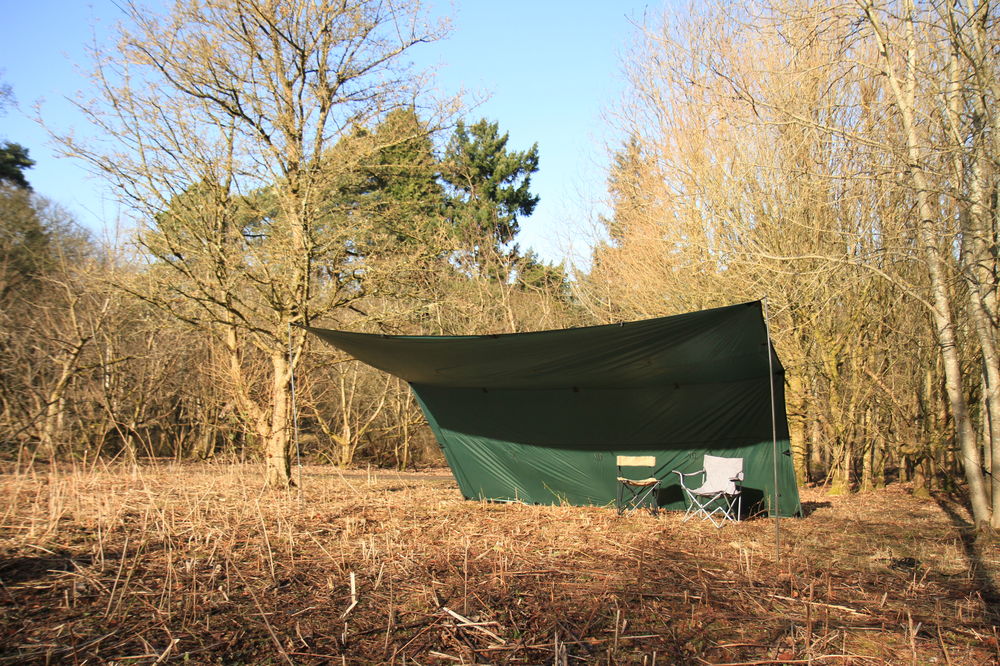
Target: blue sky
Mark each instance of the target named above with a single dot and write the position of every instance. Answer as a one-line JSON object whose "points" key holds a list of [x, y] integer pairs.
{"points": [[551, 69]]}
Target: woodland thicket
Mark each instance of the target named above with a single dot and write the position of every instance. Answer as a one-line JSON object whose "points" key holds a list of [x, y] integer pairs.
{"points": [[285, 166]]}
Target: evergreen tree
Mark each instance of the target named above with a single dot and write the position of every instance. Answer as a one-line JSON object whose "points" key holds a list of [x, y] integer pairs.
{"points": [[13, 162], [489, 187], [24, 242], [13, 157], [538, 275], [402, 188]]}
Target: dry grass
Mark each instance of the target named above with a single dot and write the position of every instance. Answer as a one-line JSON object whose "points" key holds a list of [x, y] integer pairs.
{"points": [[197, 563]]}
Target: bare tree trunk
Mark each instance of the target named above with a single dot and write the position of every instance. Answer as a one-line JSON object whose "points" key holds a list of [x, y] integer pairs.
{"points": [[346, 440], [840, 475], [903, 91], [944, 327], [48, 437], [796, 406], [868, 454], [68, 363], [817, 453], [878, 449], [276, 433], [921, 480], [403, 456], [977, 256]]}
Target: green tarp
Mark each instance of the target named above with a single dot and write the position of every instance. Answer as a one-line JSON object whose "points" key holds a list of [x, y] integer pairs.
{"points": [[540, 417]]}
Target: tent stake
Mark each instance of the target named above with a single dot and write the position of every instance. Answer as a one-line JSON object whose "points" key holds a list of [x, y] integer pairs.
{"points": [[774, 437]]}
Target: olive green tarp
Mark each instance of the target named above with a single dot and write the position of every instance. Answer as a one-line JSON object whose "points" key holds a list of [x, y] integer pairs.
{"points": [[540, 417]]}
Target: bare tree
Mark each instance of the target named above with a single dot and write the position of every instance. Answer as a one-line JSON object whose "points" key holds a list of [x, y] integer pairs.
{"points": [[903, 63], [836, 156], [218, 119]]}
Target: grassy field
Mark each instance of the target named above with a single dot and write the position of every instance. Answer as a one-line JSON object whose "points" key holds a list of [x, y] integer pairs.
{"points": [[198, 564]]}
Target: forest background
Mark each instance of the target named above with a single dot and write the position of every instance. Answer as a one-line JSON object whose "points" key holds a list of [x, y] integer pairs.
{"points": [[285, 166]]}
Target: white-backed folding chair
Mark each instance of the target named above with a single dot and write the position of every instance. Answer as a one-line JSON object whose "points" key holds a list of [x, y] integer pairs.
{"points": [[634, 493], [721, 491]]}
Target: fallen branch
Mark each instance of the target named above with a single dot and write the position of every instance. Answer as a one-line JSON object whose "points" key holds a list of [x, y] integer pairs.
{"points": [[762, 662], [466, 622], [166, 653], [817, 603]]}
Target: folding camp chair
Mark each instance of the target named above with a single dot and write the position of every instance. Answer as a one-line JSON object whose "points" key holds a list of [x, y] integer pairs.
{"points": [[720, 493], [634, 493]]}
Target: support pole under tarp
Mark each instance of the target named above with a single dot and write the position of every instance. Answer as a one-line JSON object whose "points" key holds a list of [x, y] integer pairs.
{"points": [[774, 434]]}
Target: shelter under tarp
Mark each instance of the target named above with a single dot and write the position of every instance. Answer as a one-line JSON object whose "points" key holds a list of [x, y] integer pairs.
{"points": [[540, 417]]}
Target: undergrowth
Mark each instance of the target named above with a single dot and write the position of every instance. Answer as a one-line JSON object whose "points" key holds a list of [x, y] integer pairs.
{"points": [[200, 564]]}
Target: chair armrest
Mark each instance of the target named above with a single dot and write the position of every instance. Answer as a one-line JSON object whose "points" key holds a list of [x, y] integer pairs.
{"points": [[738, 477], [681, 476]]}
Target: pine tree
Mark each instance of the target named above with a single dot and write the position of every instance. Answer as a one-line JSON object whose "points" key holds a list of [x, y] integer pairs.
{"points": [[489, 187], [13, 162]]}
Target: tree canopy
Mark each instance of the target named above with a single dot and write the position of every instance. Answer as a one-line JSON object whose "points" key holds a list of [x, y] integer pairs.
{"points": [[14, 161], [490, 186]]}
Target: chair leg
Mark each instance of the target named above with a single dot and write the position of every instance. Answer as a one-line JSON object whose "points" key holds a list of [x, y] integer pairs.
{"points": [[694, 508], [708, 506], [650, 495], [637, 497], [726, 506]]}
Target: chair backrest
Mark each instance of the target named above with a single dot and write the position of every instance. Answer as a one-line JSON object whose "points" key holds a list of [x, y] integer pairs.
{"points": [[636, 461], [720, 472]]}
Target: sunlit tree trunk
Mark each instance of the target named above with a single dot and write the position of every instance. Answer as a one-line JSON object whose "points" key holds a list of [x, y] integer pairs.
{"points": [[903, 87], [276, 435], [795, 403]]}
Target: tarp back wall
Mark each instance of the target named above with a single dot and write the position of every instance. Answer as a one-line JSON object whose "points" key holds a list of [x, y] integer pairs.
{"points": [[540, 417]]}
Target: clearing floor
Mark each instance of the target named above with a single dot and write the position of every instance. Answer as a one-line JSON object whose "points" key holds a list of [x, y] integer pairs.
{"points": [[198, 563]]}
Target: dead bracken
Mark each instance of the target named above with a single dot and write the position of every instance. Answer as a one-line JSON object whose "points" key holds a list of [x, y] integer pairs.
{"points": [[171, 562]]}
